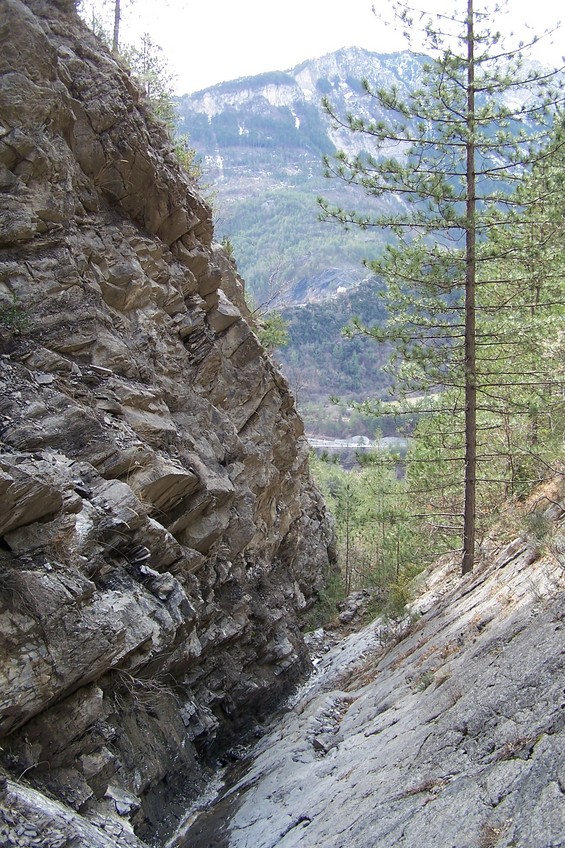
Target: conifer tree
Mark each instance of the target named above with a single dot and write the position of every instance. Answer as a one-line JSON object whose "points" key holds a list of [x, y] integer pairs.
{"points": [[525, 314], [443, 164]]}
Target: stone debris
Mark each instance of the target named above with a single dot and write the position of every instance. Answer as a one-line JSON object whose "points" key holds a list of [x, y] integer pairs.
{"points": [[28, 819], [25, 834], [356, 605]]}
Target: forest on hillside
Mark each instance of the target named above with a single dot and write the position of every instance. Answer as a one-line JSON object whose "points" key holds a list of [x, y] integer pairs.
{"points": [[281, 240], [329, 362]]}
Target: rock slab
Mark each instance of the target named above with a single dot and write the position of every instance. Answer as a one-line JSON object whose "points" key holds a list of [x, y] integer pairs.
{"points": [[448, 732]]}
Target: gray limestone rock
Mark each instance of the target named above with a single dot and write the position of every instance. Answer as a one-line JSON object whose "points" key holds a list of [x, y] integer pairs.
{"points": [[160, 533], [450, 735]]}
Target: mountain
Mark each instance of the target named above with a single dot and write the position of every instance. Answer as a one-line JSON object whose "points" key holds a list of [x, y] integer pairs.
{"points": [[319, 361], [262, 140]]}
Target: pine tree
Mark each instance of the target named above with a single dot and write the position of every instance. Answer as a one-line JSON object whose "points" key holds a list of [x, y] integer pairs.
{"points": [[462, 142], [528, 306], [149, 66]]}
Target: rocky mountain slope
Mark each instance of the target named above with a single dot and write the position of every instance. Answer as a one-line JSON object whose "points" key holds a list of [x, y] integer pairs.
{"points": [[262, 140], [445, 730], [263, 128], [160, 535]]}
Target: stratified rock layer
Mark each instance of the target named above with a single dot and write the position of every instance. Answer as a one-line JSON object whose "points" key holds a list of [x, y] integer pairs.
{"points": [[160, 534]]}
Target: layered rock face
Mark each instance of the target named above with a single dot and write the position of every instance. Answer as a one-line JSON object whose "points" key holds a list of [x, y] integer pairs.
{"points": [[159, 532]]}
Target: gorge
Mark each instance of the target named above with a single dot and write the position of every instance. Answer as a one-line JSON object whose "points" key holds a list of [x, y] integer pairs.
{"points": [[162, 541]]}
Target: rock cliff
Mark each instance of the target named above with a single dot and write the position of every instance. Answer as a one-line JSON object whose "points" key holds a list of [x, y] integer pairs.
{"points": [[159, 532]]}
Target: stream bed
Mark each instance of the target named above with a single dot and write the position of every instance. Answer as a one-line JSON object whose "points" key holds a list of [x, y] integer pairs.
{"points": [[399, 738], [208, 824]]}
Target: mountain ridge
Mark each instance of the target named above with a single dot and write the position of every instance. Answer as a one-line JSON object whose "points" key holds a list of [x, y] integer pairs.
{"points": [[262, 140]]}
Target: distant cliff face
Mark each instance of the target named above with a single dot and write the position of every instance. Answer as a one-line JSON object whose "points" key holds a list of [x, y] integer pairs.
{"points": [[159, 532], [262, 140], [283, 110]]}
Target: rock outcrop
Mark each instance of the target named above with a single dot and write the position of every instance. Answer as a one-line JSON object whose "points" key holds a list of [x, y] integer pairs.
{"points": [[159, 532], [445, 732]]}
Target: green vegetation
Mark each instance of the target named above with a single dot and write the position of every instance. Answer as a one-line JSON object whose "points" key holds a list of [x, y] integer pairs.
{"points": [[13, 317], [149, 66], [320, 362], [279, 240], [273, 332], [379, 544], [330, 596], [464, 299], [269, 324]]}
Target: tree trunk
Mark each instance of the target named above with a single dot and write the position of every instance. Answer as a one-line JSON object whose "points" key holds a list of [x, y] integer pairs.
{"points": [[470, 318], [116, 37]]}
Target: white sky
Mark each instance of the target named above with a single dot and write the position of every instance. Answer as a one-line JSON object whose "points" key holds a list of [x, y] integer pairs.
{"points": [[210, 41]]}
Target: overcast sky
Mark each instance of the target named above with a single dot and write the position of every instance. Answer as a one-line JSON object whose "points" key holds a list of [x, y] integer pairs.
{"points": [[210, 41]]}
